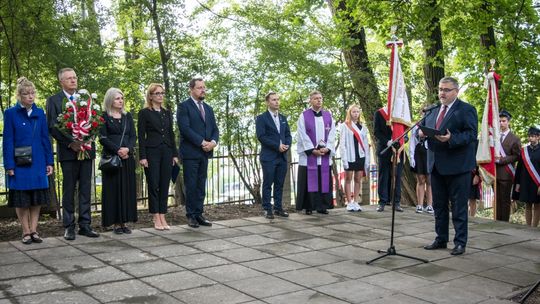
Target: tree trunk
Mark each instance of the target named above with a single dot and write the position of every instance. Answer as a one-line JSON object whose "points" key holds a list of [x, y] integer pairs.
{"points": [[433, 57], [162, 53]]}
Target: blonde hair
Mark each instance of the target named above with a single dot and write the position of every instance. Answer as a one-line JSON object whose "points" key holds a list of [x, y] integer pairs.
{"points": [[109, 99], [23, 84], [151, 89], [349, 110]]}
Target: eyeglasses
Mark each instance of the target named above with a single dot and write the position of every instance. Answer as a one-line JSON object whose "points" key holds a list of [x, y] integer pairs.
{"points": [[445, 90], [158, 94]]}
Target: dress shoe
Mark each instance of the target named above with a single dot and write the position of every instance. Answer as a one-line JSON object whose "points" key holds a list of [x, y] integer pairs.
{"points": [[192, 222], [268, 214], [380, 208], [202, 221], [118, 230], [69, 233], [309, 212], [324, 211], [459, 249], [126, 230], [398, 208], [281, 213], [88, 232], [435, 245], [36, 238]]}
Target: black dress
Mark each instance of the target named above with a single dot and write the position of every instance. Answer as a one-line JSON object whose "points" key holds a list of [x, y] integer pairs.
{"points": [[118, 195], [358, 164], [527, 187]]}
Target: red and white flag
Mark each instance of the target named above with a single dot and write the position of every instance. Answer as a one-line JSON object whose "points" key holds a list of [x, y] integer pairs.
{"points": [[398, 115], [488, 145]]}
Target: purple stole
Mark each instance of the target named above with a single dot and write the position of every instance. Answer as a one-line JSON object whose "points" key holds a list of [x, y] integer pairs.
{"points": [[312, 171]]}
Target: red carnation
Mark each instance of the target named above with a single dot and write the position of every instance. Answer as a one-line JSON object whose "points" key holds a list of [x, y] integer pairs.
{"points": [[101, 119], [94, 112], [70, 109], [67, 116], [94, 124], [69, 125]]}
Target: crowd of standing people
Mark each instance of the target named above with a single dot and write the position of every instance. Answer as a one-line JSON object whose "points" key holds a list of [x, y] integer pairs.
{"points": [[444, 164]]}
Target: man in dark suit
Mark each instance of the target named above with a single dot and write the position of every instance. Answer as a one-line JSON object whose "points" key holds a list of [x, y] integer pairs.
{"points": [[505, 164], [73, 170], [275, 136], [451, 158], [199, 135]]}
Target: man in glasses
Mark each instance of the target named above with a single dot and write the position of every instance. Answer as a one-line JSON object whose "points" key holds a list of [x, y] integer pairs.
{"points": [[451, 157]]}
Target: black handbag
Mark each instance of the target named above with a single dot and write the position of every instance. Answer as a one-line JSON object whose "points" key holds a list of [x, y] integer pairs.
{"points": [[23, 155], [111, 163]]}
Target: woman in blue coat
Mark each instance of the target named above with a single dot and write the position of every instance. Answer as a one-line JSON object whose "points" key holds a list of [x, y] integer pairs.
{"points": [[25, 125]]}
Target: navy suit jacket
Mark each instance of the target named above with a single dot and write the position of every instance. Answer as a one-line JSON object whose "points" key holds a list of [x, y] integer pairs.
{"points": [[458, 155], [193, 129], [270, 138]]}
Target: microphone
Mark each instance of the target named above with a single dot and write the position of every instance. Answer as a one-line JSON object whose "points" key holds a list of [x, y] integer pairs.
{"points": [[431, 107]]}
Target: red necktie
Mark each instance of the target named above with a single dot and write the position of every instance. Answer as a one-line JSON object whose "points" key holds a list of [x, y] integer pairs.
{"points": [[441, 117], [201, 109]]}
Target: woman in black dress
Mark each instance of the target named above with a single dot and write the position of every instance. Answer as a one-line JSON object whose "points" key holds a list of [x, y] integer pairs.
{"points": [[527, 180], [418, 160], [117, 136]]}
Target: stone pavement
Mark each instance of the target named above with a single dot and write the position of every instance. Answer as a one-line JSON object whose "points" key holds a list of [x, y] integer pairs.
{"points": [[302, 259]]}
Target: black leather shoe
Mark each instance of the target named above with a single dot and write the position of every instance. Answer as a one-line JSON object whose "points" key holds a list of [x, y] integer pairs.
{"points": [[192, 222], [69, 233], [88, 232], [380, 208], [309, 212], [268, 214], [202, 221], [398, 208], [435, 245], [459, 249], [281, 213], [324, 211]]}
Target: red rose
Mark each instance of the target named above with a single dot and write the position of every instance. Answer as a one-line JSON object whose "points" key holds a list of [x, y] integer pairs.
{"points": [[101, 119], [67, 116], [70, 109], [94, 112], [94, 124], [69, 125]]}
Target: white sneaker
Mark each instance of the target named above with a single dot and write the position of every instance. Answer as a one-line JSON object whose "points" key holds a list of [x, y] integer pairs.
{"points": [[351, 207], [358, 207], [419, 209], [429, 210]]}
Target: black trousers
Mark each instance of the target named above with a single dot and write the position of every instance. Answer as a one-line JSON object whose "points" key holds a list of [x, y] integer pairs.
{"points": [[384, 183], [158, 177], [76, 171], [195, 174]]}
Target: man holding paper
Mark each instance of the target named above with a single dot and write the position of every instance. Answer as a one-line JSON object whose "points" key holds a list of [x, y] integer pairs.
{"points": [[451, 157]]}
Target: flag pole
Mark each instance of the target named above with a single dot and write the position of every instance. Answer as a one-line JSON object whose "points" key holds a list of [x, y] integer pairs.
{"points": [[492, 69]]}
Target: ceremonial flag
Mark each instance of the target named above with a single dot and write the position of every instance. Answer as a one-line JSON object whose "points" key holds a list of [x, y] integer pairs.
{"points": [[398, 115], [489, 146]]}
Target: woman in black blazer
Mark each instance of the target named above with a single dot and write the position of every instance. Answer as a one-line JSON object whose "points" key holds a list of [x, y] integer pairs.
{"points": [[158, 152]]}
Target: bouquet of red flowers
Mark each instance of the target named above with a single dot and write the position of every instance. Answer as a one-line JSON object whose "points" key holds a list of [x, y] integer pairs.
{"points": [[81, 119]]}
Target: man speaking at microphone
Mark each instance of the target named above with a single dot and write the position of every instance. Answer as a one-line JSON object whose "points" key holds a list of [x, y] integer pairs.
{"points": [[451, 157]]}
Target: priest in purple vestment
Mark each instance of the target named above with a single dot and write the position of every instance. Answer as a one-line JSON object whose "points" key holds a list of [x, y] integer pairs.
{"points": [[316, 134]]}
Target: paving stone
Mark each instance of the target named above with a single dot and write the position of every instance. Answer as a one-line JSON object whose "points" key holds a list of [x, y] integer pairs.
{"points": [[171, 250], [347, 227], [216, 293], [225, 273], [14, 257], [86, 277], [35, 284], [72, 263], [151, 241], [149, 268], [56, 252], [345, 237], [492, 258], [444, 294], [433, 272], [264, 286], [525, 250], [361, 292], [177, 281], [314, 258], [318, 231], [6, 247], [226, 233], [260, 229], [152, 299], [353, 269], [319, 243], [350, 252], [236, 223], [213, 245], [106, 246], [252, 240], [398, 298], [528, 266], [303, 296], [125, 256], [58, 297], [392, 262], [481, 285], [280, 249], [47, 243], [493, 240], [511, 276], [135, 233], [285, 235], [188, 236], [117, 291], [274, 265], [242, 254], [396, 281], [200, 260], [22, 270], [497, 301], [296, 225], [311, 277]]}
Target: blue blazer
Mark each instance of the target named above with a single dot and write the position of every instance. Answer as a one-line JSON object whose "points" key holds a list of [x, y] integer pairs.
{"points": [[458, 155], [270, 138], [18, 130], [193, 129]]}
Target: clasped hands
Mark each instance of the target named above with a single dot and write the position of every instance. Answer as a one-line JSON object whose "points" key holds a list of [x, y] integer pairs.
{"points": [[320, 151], [283, 148], [208, 146]]}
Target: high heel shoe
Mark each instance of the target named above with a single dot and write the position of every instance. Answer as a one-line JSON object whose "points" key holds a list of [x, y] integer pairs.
{"points": [[166, 227], [158, 227]]}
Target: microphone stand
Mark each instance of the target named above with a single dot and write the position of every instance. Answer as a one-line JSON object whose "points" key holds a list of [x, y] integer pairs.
{"points": [[396, 145]]}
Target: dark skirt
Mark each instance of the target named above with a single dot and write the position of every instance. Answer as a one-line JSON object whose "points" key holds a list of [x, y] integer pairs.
{"points": [[28, 198], [357, 165], [118, 195], [420, 160], [474, 193], [312, 200]]}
